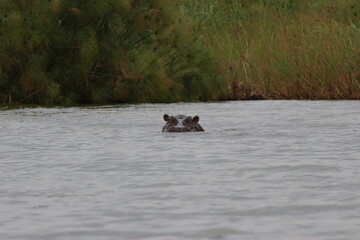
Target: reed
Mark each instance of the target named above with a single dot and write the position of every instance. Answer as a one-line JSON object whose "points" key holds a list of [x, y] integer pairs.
{"points": [[284, 49]]}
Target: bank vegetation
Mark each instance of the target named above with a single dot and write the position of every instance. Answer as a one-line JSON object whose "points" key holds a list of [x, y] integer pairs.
{"points": [[111, 51]]}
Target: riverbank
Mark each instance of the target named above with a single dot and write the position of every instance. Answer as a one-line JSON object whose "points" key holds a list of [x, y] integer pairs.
{"points": [[284, 49], [110, 51]]}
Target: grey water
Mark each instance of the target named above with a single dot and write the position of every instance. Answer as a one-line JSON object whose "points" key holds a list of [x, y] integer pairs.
{"points": [[261, 170]]}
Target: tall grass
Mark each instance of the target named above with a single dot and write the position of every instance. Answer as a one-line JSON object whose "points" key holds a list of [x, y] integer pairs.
{"points": [[284, 49]]}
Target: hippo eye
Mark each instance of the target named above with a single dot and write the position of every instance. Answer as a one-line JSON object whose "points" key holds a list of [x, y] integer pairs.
{"points": [[173, 120], [188, 120]]}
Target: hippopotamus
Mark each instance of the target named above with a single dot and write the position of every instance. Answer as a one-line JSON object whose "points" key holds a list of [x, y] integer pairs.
{"points": [[182, 123]]}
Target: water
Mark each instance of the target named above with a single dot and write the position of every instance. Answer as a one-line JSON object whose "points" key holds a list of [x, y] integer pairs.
{"points": [[262, 170]]}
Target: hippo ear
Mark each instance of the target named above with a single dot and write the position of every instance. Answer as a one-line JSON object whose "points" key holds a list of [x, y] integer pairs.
{"points": [[166, 117], [196, 119]]}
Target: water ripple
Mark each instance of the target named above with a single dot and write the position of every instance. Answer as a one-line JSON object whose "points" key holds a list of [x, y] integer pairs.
{"points": [[270, 170]]}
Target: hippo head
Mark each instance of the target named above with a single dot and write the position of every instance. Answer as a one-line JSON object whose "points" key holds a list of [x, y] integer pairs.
{"points": [[182, 123]]}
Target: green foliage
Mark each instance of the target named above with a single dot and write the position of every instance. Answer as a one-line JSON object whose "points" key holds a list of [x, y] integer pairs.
{"points": [[67, 51], [23, 50], [100, 51]]}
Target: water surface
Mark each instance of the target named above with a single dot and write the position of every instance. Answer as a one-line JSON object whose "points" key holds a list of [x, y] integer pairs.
{"points": [[262, 170]]}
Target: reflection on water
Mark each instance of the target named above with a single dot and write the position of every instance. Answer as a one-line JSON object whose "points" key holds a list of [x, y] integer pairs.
{"points": [[262, 170]]}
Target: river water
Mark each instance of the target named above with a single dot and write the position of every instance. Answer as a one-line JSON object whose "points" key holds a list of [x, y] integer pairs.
{"points": [[261, 170]]}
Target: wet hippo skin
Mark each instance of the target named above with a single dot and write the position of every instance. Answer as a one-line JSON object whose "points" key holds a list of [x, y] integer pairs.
{"points": [[182, 123]]}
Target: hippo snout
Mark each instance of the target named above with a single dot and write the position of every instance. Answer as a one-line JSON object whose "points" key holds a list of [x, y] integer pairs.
{"points": [[178, 129], [182, 123]]}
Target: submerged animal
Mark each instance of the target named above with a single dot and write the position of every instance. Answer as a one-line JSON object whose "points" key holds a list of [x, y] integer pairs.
{"points": [[182, 123]]}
